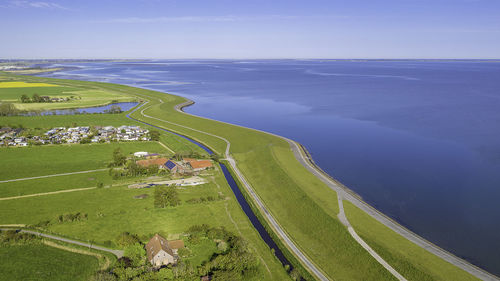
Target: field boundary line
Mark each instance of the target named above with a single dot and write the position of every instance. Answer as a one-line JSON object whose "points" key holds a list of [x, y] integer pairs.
{"points": [[54, 175], [166, 147], [47, 193]]}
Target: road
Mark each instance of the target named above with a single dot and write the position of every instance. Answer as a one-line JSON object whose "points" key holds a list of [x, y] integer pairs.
{"points": [[117, 253], [277, 228], [343, 193]]}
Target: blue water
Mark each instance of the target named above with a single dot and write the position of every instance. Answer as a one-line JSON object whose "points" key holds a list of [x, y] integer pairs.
{"points": [[125, 106], [239, 197], [419, 140]]}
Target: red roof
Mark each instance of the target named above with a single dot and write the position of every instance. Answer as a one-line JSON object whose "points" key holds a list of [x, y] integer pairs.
{"points": [[200, 164], [149, 162]]}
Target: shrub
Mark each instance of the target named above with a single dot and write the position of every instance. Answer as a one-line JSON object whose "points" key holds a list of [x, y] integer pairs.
{"points": [[126, 239]]}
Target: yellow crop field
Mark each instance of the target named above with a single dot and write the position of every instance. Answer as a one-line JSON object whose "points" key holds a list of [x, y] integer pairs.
{"points": [[24, 85]]}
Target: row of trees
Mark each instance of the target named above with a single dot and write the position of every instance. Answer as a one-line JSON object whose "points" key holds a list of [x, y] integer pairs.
{"points": [[38, 99]]}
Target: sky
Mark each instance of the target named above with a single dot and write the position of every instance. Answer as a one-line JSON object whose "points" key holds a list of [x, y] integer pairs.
{"points": [[178, 29]]}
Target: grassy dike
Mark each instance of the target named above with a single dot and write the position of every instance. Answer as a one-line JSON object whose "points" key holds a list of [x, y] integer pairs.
{"points": [[301, 203], [286, 252]]}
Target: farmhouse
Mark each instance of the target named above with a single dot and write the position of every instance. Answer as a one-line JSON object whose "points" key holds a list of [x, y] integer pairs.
{"points": [[173, 167], [160, 251]]}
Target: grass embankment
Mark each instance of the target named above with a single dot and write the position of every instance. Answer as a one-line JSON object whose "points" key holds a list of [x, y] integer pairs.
{"points": [[410, 260], [41, 262], [305, 207]]}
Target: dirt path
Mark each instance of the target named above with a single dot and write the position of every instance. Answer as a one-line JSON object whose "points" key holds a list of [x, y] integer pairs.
{"points": [[54, 175], [47, 193]]}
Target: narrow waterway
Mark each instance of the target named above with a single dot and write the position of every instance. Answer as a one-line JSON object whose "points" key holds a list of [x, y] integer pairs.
{"points": [[237, 193]]}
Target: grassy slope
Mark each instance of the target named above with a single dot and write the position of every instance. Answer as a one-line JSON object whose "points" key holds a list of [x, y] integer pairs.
{"points": [[40, 262], [410, 260], [251, 149]]}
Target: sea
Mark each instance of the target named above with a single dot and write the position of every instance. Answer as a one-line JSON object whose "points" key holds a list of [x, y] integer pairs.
{"points": [[418, 140]]}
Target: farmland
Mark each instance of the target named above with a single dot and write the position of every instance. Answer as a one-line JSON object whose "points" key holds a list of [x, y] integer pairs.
{"points": [[268, 164], [73, 97], [40, 262], [114, 208]]}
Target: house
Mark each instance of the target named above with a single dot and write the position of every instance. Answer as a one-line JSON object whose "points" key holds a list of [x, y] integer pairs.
{"points": [[160, 251], [160, 162], [198, 165], [173, 167]]}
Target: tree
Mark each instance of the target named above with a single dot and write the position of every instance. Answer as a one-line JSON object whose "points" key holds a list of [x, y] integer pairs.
{"points": [[25, 99], [126, 239], [154, 135], [36, 98], [136, 253], [118, 157], [8, 109], [166, 196]]}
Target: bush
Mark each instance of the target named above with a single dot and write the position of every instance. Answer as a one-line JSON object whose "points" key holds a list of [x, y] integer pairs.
{"points": [[136, 253], [127, 239]]}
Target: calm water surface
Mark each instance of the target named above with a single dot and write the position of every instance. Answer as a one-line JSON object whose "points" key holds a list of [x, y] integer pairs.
{"points": [[124, 106], [418, 140]]}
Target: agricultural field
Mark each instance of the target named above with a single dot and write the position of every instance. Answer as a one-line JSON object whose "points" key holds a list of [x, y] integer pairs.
{"points": [[41, 262], [267, 163], [34, 161], [76, 97], [112, 211], [106, 212]]}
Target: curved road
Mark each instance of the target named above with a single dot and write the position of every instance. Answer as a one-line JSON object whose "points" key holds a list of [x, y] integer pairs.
{"points": [[343, 193]]}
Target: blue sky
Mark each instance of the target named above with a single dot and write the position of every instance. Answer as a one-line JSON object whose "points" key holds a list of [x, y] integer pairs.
{"points": [[250, 29]]}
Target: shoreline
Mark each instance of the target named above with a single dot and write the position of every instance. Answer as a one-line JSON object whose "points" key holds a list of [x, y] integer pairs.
{"points": [[367, 208]]}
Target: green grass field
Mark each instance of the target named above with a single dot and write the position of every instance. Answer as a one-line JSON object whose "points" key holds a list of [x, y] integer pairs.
{"points": [[20, 162], [114, 210], [18, 188], [410, 260], [304, 206], [40, 262], [81, 97]]}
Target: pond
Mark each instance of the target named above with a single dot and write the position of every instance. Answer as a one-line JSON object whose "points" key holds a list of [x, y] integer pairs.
{"points": [[124, 106]]}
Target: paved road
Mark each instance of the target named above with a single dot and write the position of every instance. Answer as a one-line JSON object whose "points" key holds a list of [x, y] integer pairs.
{"points": [[279, 231], [350, 196], [54, 175], [117, 253], [343, 194], [347, 194]]}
